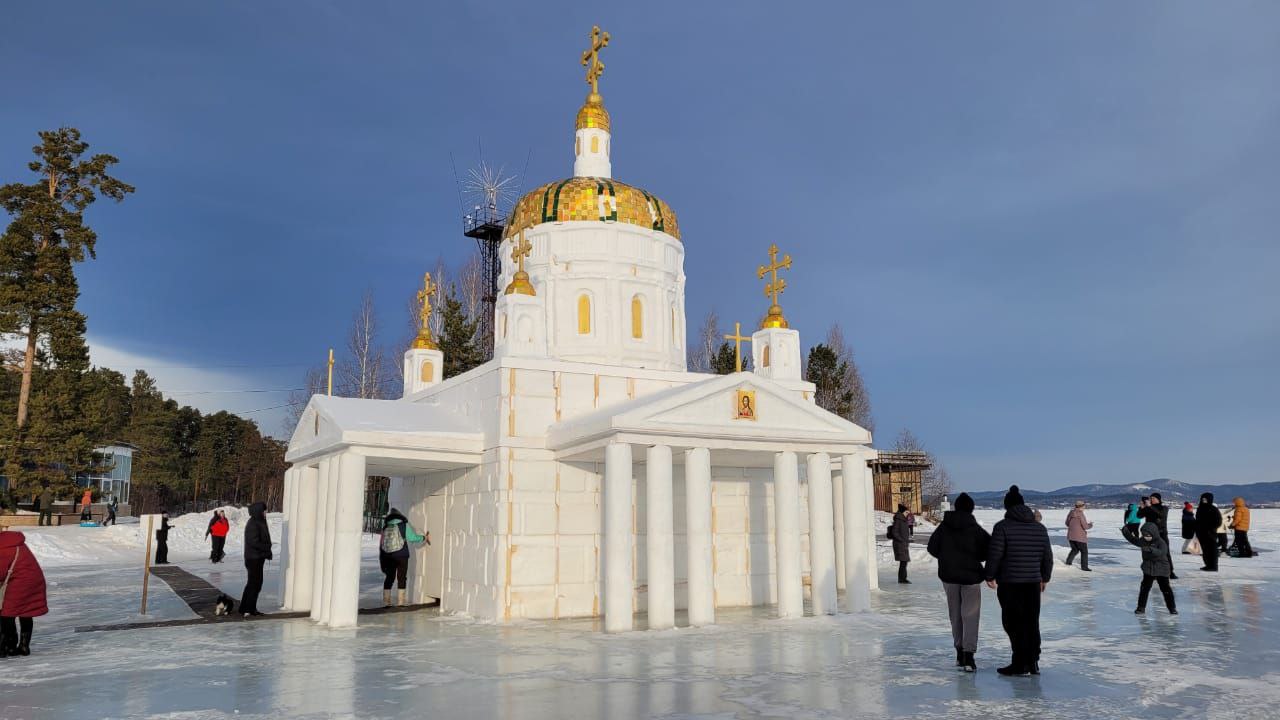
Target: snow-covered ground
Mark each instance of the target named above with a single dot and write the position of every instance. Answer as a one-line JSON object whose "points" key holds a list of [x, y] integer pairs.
{"points": [[1219, 658]]}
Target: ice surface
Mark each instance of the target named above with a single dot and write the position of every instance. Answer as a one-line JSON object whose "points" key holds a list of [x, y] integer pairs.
{"points": [[1219, 658]]}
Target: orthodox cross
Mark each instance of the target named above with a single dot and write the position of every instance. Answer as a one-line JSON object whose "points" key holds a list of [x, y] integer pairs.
{"points": [[520, 284], [330, 372], [424, 341], [774, 287], [591, 58], [737, 339]]}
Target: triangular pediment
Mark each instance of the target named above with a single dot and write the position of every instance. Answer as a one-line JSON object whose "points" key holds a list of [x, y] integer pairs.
{"points": [[739, 406]]}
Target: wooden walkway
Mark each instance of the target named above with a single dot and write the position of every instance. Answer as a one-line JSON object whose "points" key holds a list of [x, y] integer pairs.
{"points": [[201, 596]]}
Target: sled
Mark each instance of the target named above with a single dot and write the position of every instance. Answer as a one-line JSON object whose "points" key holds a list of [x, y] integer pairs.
{"points": [[90, 523]]}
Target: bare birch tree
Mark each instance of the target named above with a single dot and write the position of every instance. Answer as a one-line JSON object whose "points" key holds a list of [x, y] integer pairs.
{"points": [[364, 371], [851, 378], [313, 384], [702, 353]]}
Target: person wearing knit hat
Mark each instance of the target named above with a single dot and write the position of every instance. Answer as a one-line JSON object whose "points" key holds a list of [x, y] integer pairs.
{"points": [[960, 545], [900, 534], [1078, 527], [1208, 518], [1019, 566], [1158, 513]]}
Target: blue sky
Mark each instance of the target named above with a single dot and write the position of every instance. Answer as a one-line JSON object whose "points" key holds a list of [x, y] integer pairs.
{"points": [[1048, 229]]}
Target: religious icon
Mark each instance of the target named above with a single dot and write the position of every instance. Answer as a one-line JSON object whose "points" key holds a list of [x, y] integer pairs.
{"points": [[745, 405]]}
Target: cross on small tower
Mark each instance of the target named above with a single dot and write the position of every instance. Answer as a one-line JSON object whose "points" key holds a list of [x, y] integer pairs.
{"points": [[774, 287], [591, 58], [520, 284], [424, 341], [737, 338]]}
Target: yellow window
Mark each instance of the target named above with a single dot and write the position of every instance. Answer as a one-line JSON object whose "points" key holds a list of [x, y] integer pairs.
{"points": [[595, 144], [764, 359], [584, 315], [637, 318], [577, 147], [428, 371]]}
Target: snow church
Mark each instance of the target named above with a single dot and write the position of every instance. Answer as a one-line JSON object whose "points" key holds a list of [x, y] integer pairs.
{"points": [[583, 471]]}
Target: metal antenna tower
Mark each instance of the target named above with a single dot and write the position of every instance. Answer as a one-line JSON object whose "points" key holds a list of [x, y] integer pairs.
{"points": [[490, 192]]}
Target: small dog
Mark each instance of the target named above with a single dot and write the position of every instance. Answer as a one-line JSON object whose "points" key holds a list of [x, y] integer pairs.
{"points": [[224, 606]]}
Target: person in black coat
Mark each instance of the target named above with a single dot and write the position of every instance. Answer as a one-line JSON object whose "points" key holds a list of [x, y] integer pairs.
{"points": [[1019, 566], [257, 551], [1158, 513], [1208, 518], [960, 545], [162, 540], [900, 534]]}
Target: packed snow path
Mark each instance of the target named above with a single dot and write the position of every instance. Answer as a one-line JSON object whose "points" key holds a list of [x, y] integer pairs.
{"points": [[1219, 658]]}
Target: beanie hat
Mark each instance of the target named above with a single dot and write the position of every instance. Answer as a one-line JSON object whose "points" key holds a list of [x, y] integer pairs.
{"points": [[1079, 503], [964, 503], [1013, 498], [902, 508], [1156, 495]]}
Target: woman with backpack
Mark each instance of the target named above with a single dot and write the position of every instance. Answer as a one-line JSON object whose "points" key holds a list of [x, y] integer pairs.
{"points": [[393, 553]]}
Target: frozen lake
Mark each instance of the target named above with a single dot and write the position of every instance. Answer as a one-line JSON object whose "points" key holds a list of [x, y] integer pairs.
{"points": [[1219, 658]]}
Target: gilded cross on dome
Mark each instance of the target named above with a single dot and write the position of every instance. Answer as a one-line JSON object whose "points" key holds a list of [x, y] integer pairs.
{"points": [[774, 288], [424, 341], [591, 55], [520, 284]]}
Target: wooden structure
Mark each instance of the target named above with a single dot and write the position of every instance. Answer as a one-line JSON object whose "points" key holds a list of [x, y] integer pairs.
{"points": [[897, 477]]}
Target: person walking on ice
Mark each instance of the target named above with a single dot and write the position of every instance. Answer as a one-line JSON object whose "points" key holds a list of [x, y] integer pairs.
{"points": [[1240, 524], [218, 528], [960, 545], [1078, 527], [22, 594], [1155, 565], [900, 534], [1019, 566], [393, 554]]}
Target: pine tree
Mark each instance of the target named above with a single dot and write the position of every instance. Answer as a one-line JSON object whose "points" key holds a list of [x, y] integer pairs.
{"points": [[46, 237], [827, 374], [458, 341], [723, 362]]}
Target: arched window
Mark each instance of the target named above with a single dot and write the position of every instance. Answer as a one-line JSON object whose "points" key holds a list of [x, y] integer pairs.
{"points": [[584, 314], [764, 359], [577, 147], [428, 372], [637, 318], [595, 144]]}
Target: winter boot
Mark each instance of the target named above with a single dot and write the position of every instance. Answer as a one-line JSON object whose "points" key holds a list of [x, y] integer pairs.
{"points": [[1170, 603], [24, 645], [970, 665], [1034, 668], [1140, 610], [401, 598], [959, 657], [386, 598], [1014, 669]]}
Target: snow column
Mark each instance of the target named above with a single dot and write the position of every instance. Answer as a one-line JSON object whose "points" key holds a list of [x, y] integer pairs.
{"points": [[857, 595], [618, 585], [303, 566], [869, 511], [821, 535], [837, 506], [786, 510], [330, 534], [321, 537], [697, 488], [660, 550], [287, 524], [346, 547]]}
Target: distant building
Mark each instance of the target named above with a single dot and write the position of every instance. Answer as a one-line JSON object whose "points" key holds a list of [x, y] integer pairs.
{"points": [[897, 477], [113, 477]]}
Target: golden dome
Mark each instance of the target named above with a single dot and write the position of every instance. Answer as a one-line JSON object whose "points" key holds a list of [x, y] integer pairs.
{"points": [[592, 114], [580, 198]]}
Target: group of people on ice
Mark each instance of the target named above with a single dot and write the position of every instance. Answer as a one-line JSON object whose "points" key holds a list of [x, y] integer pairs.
{"points": [[1016, 560]]}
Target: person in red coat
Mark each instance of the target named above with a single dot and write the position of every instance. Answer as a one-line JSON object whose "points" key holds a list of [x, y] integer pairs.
{"points": [[24, 593], [218, 528]]}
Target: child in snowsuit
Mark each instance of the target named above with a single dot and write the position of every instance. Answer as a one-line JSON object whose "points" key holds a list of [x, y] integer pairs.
{"points": [[393, 553], [1155, 565]]}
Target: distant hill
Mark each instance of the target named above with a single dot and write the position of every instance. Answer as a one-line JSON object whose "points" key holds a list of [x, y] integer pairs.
{"points": [[1172, 491]]}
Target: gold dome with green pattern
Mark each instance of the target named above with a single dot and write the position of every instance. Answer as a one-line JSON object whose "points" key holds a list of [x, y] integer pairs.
{"points": [[591, 198]]}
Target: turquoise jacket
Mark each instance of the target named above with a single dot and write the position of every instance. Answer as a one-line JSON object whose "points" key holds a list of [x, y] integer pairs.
{"points": [[409, 534], [1131, 517]]}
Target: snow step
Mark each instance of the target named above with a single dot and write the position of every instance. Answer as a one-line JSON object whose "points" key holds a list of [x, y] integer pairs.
{"points": [[235, 618]]}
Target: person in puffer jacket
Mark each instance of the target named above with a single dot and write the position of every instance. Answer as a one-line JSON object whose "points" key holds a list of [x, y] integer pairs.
{"points": [[1240, 523], [1155, 565], [24, 594], [1019, 566], [960, 544], [257, 551]]}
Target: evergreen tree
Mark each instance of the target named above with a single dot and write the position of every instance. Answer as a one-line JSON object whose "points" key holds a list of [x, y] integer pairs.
{"points": [[827, 373], [47, 235], [458, 341], [723, 362]]}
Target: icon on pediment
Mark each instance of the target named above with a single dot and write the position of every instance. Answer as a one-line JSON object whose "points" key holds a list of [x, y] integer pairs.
{"points": [[745, 405]]}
